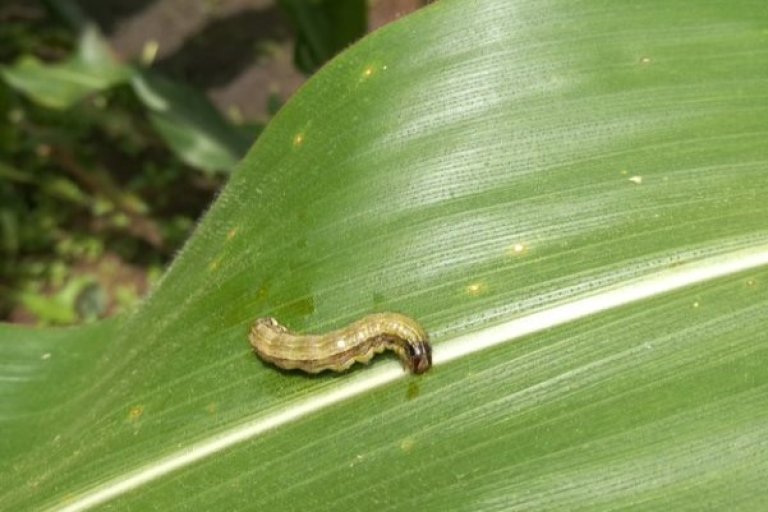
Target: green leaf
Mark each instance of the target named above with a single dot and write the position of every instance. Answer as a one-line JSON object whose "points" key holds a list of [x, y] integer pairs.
{"points": [[189, 124], [570, 196], [324, 28], [62, 307], [60, 86]]}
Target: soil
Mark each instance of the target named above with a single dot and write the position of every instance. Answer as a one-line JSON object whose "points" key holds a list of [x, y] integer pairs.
{"points": [[239, 51]]}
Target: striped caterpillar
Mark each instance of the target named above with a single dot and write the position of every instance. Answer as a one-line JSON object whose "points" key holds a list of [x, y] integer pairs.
{"points": [[340, 349]]}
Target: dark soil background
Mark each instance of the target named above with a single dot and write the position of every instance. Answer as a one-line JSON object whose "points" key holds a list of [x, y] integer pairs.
{"points": [[239, 51]]}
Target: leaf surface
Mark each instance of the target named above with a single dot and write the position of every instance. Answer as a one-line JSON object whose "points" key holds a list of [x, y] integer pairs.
{"points": [[570, 196]]}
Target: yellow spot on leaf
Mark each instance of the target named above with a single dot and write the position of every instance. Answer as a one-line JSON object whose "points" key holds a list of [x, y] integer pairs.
{"points": [[476, 289], [298, 139], [637, 180], [231, 234], [136, 412], [517, 249], [407, 445]]}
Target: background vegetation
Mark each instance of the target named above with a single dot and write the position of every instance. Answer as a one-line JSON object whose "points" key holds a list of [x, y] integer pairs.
{"points": [[106, 163]]}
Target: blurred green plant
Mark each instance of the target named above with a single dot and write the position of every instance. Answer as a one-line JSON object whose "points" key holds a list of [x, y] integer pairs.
{"points": [[324, 28], [96, 157], [101, 157]]}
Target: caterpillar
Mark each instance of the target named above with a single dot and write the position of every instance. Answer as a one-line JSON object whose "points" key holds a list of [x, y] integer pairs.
{"points": [[340, 349]]}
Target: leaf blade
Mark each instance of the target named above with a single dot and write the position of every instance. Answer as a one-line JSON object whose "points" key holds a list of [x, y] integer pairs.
{"points": [[465, 177]]}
